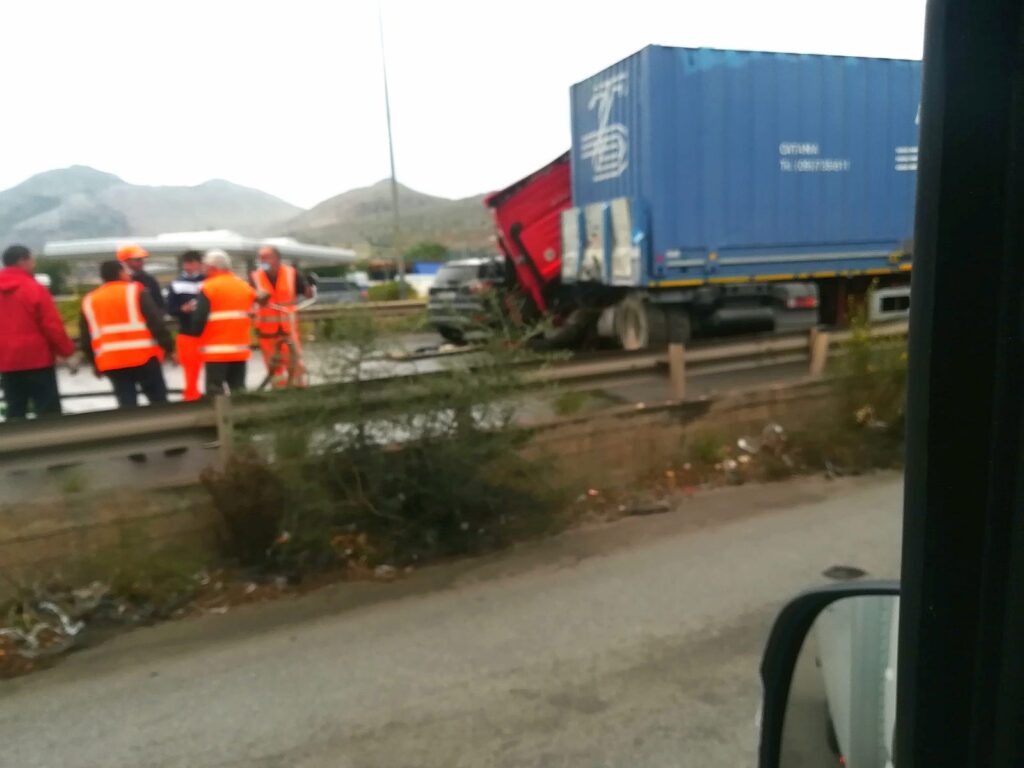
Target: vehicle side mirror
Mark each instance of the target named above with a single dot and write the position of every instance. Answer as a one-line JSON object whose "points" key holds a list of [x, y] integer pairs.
{"points": [[829, 677]]}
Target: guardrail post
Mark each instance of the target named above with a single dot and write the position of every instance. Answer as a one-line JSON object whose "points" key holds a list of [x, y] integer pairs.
{"points": [[225, 427], [677, 371], [818, 348]]}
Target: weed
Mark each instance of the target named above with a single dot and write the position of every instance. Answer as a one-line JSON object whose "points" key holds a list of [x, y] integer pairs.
{"points": [[570, 402], [250, 497], [705, 448], [356, 481]]}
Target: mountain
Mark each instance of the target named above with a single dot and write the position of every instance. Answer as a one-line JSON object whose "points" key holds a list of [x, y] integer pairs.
{"points": [[361, 219], [79, 202]]}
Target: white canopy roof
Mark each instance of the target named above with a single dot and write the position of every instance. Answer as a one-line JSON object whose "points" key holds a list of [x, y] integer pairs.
{"points": [[174, 243]]}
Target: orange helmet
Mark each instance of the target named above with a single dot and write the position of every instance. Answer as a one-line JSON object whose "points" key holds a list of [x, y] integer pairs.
{"points": [[131, 251]]}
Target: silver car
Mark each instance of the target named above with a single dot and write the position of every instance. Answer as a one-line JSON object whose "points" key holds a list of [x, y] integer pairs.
{"points": [[458, 305]]}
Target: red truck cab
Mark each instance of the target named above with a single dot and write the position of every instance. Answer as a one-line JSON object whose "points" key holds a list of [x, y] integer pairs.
{"points": [[527, 216]]}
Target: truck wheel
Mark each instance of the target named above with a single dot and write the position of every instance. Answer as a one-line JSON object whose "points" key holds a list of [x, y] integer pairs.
{"points": [[569, 334], [679, 327], [633, 323], [452, 335]]}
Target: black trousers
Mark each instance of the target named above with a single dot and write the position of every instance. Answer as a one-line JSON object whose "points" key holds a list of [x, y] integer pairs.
{"points": [[225, 378], [148, 377], [37, 386]]}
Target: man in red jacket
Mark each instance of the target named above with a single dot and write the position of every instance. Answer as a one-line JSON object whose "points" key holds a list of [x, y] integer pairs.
{"points": [[32, 338]]}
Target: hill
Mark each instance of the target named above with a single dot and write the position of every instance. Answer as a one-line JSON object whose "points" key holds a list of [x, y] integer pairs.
{"points": [[79, 202], [361, 219]]}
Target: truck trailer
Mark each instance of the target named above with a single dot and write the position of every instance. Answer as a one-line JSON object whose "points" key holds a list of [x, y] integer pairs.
{"points": [[708, 190]]}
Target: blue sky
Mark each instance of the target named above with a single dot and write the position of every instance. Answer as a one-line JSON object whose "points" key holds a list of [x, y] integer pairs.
{"points": [[287, 97]]}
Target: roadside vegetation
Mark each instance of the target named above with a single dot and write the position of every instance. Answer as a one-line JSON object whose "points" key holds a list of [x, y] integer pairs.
{"points": [[360, 484], [343, 482]]}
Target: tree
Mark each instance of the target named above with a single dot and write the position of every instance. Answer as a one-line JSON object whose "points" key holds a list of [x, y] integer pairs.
{"points": [[59, 272], [427, 250]]}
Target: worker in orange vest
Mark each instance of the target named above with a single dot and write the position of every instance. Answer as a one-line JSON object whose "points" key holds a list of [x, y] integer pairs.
{"points": [[276, 322], [124, 336], [133, 256], [223, 320]]}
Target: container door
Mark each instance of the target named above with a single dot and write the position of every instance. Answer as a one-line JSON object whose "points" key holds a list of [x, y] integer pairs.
{"points": [[570, 245], [625, 249], [595, 258]]}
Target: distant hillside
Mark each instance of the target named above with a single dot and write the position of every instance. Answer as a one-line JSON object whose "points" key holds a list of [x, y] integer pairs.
{"points": [[79, 202], [361, 219]]}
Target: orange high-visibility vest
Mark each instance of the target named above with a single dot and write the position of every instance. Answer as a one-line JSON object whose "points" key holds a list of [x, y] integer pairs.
{"points": [[271, 321], [120, 337], [225, 339]]}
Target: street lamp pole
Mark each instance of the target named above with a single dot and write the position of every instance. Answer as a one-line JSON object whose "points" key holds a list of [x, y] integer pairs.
{"points": [[399, 256]]}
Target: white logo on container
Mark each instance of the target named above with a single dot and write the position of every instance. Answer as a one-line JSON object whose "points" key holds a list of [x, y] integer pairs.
{"points": [[607, 148]]}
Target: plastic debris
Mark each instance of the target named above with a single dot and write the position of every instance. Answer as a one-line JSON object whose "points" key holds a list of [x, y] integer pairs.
{"points": [[748, 445], [866, 417], [385, 572], [729, 465], [773, 438], [743, 458], [593, 492], [250, 588]]}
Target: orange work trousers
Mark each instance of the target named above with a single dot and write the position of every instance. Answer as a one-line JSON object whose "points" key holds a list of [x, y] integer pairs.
{"points": [[191, 365], [271, 345]]}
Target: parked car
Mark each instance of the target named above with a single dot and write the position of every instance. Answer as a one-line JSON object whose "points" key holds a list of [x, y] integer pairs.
{"points": [[457, 303], [339, 290]]}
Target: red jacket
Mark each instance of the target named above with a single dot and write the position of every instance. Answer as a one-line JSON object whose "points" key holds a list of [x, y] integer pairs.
{"points": [[31, 331]]}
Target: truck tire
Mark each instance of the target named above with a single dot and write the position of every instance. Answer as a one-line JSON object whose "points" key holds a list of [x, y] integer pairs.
{"points": [[678, 326], [452, 335], [568, 335], [639, 324]]}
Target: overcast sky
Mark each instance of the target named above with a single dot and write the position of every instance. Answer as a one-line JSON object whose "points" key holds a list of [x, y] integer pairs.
{"points": [[287, 96]]}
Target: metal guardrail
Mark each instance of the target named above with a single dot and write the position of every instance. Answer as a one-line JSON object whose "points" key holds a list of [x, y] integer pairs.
{"points": [[80, 434], [375, 308]]}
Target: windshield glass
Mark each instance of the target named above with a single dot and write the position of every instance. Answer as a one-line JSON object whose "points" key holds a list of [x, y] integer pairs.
{"points": [[457, 274]]}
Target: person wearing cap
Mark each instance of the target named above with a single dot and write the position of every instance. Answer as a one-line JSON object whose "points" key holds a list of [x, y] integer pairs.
{"points": [[133, 256], [181, 303], [124, 336], [223, 320]]}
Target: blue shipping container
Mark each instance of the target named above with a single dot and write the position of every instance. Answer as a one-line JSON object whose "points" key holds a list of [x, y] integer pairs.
{"points": [[696, 165]]}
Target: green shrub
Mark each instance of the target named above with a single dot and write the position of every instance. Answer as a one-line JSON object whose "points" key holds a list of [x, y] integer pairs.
{"points": [[872, 378], [250, 496], [351, 480], [705, 449], [389, 291]]}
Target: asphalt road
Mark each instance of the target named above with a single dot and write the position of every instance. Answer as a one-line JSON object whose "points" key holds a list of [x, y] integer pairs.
{"points": [[630, 644]]}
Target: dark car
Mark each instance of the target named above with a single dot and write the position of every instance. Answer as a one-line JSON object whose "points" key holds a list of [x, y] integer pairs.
{"points": [[459, 303], [339, 290]]}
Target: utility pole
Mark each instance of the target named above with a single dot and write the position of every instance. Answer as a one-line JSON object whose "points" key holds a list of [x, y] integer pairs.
{"points": [[399, 256]]}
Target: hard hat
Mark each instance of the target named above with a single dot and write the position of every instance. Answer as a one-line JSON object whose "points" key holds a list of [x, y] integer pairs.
{"points": [[131, 251]]}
